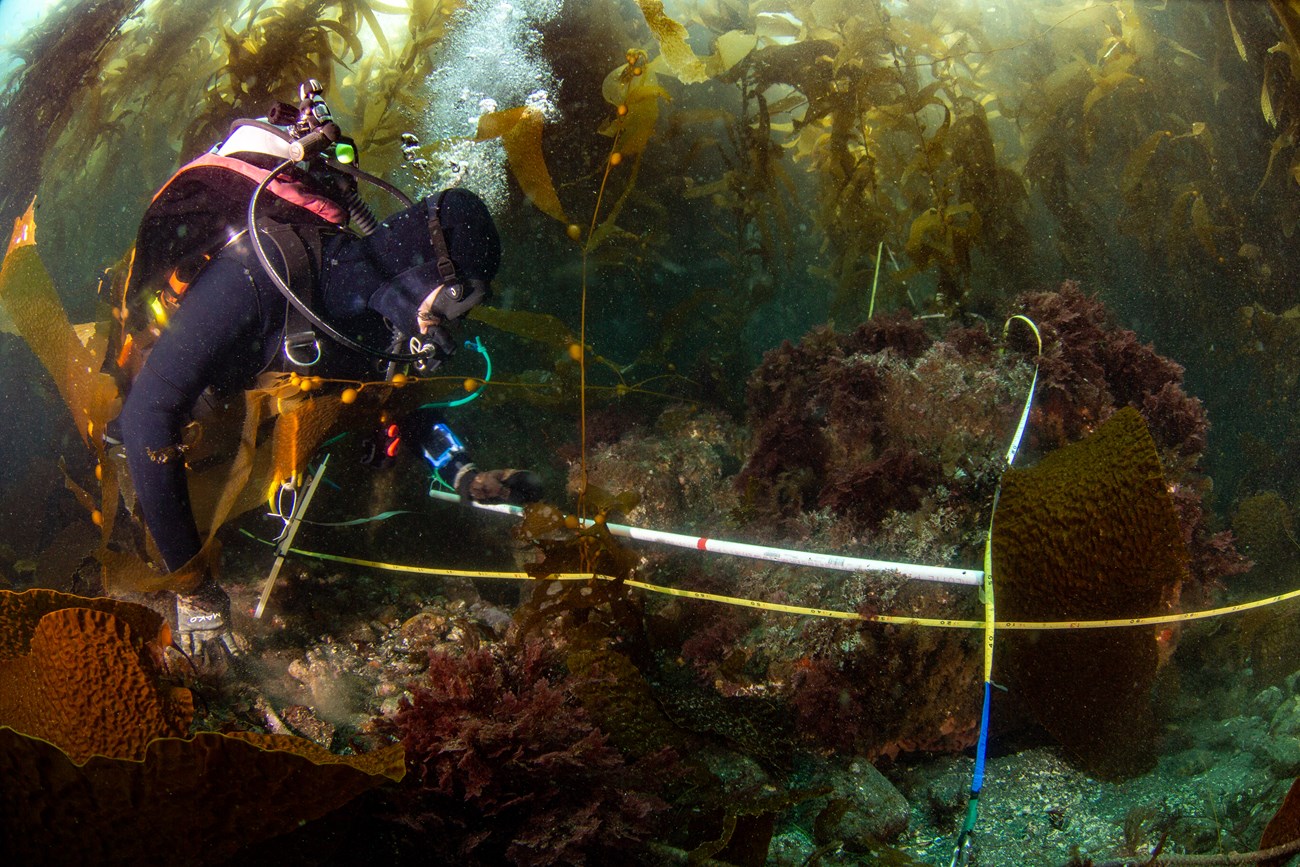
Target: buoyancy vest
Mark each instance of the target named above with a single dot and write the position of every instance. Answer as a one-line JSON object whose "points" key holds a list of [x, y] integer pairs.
{"points": [[204, 206]]}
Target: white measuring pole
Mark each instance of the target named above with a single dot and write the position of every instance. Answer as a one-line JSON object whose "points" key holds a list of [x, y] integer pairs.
{"points": [[942, 574], [286, 539]]}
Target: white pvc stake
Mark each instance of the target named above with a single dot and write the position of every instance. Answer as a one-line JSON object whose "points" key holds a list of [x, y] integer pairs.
{"points": [[286, 541], [943, 574]]}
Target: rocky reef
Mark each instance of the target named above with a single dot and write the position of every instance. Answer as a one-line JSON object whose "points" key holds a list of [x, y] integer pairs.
{"points": [[888, 442], [593, 717]]}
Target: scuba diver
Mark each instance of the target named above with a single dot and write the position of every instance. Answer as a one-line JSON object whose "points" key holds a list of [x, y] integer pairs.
{"points": [[289, 288]]}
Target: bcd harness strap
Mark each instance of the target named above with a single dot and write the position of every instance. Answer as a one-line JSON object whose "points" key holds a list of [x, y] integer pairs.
{"points": [[446, 269], [300, 249], [301, 256]]}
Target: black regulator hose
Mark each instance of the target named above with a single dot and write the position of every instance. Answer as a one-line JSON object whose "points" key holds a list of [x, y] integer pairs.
{"points": [[298, 304], [359, 175], [358, 210]]}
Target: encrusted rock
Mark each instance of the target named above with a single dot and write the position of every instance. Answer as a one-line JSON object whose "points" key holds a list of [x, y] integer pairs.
{"points": [[876, 810], [305, 723], [424, 629]]}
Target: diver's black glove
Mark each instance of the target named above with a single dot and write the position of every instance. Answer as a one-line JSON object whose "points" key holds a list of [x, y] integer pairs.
{"points": [[498, 486], [420, 299]]}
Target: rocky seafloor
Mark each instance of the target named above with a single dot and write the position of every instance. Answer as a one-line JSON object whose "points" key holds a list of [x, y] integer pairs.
{"points": [[340, 646], [816, 740]]}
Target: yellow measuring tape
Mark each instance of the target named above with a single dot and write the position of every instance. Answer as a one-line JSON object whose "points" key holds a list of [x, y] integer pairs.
{"points": [[811, 612], [989, 624]]}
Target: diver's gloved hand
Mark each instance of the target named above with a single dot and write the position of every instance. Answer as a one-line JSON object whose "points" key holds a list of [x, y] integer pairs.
{"points": [[449, 301], [203, 628], [499, 486]]}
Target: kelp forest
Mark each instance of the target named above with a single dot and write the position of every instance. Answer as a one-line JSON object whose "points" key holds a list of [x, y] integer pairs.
{"points": [[793, 273]]}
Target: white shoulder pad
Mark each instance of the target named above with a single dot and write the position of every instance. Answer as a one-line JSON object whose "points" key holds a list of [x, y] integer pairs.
{"points": [[251, 139]]}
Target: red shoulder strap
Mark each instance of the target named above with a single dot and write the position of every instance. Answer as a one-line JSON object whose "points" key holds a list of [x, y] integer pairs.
{"points": [[293, 192]]}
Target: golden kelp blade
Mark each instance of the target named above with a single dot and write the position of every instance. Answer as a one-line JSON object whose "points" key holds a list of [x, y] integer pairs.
{"points": [[671, 36], [299, 431], [233, 486], [687, 66], [28, 296], [640, 95], [541, 327], [520, 131], [85, 332]]}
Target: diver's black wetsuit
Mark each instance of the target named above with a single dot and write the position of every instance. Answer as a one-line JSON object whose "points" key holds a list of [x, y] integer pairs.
{"points": [[231, 324]]}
